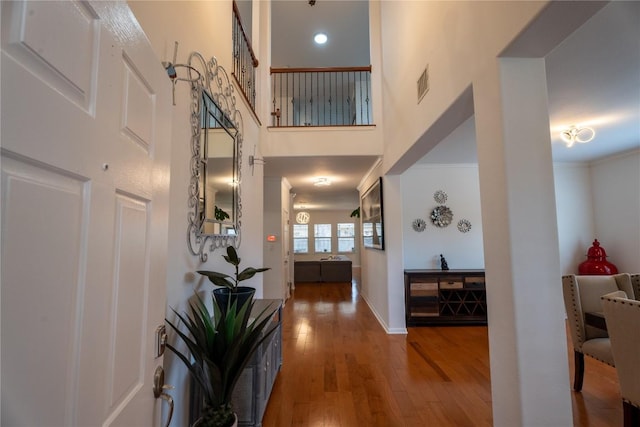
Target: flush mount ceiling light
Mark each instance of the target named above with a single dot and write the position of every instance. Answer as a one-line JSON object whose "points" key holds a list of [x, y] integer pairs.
{"points": [[303, 217], [577, 134], [320, 38], [321, 182]]}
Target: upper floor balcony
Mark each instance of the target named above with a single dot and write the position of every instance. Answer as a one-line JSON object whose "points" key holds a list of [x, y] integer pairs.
{"points": [[333, 96], [314, 101]]}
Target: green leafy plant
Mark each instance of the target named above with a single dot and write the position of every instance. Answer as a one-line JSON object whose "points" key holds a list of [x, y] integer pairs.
{"points": [[221, 345], [219, 214], [228, 281], [355, 213]]}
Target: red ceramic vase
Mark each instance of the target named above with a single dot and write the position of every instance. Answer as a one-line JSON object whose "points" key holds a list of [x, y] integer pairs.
{"points": [[596, 263]]}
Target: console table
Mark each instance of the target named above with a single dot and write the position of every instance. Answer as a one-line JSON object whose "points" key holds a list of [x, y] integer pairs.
{"points": [[251, 395], [445, 297]]}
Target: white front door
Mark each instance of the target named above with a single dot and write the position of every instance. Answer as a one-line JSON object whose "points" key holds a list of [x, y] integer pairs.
{"points": [[86, 121]]}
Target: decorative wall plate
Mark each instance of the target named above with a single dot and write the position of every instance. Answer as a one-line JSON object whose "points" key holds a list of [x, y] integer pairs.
{"points": [[440, 197], [464, 225], [419, 224], [441, 216]]}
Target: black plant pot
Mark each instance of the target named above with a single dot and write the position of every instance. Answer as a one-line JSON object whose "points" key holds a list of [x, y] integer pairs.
{"points": [[225, 297]]}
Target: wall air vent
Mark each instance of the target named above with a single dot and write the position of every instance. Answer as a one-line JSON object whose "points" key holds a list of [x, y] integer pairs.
{"points": [[423, 84]]}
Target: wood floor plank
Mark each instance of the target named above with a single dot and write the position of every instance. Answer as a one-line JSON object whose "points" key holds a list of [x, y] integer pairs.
{"points": [[341, 369]]}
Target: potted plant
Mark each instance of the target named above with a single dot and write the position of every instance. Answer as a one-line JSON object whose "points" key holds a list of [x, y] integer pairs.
{"points": [[229, 285], [220, 345]]}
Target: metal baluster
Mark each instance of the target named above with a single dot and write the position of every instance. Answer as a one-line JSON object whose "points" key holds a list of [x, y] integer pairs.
{"points": [[299, 96], [311, 98], [368, 105], [304, 85], [361, 103], [343, 98], [273, 102], [330, 95], [324, 99]]}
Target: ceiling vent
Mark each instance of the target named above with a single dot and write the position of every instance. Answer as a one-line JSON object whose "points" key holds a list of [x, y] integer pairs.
{"points": [[423, 84]]}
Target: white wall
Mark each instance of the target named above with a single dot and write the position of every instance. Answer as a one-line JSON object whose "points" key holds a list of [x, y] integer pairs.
{"points": [[345, 141], [574, 204], [600, 201], [394, 323], [373, 262], [319, 141], [276, 196], [475, 32], [515, 171], [272, 226], [204, 27], [615, 184], [583, 199], [423, 249]]}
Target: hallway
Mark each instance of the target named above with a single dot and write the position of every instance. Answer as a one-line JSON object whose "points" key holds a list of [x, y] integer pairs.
{"points": [[340, 368]]}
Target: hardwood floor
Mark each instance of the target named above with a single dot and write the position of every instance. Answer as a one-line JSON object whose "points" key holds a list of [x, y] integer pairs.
{"points": [[340, 368]]}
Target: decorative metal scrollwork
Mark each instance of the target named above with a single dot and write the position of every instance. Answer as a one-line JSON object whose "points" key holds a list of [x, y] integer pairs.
{"points": [[212, 78]]}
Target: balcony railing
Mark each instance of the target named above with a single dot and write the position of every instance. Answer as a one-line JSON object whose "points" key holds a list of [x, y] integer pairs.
{"points": [[339, 96], [244, 60]]}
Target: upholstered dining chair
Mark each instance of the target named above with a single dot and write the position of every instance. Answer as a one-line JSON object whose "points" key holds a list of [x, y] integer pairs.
{"points": [[582, 295], [635, 284], [623, 318]]}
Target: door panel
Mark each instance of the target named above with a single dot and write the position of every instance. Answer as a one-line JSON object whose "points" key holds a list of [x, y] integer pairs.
{"points": [[139, 106], [66, 62], [85, 179], [41, 295], [128, 317]]}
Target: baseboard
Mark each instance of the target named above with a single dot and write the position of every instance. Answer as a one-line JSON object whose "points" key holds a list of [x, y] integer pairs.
{"points": [[389, 331]]}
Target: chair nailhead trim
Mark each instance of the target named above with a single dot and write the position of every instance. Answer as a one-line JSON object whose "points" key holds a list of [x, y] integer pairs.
{"points": [[575, 308]]}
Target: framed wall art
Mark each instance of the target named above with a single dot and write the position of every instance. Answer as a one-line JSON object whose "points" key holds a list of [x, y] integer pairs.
{"points": [[372, 222]]}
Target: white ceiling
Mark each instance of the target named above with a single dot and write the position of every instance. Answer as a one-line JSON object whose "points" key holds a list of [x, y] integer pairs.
{"points": [[593, 80], [294, 24], [345, 172]]}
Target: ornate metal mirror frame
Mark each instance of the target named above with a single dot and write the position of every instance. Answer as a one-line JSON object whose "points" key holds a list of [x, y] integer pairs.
{"points": [[210, 81]]}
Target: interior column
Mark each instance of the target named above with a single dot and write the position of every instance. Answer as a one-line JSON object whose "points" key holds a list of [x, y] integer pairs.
{"points": [[527, 338]]}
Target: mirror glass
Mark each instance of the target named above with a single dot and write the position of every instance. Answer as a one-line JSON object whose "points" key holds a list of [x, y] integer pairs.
{"points": [[218, 171]]}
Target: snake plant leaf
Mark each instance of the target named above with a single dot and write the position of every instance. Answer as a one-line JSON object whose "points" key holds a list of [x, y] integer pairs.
{"points": [[220, 345]]}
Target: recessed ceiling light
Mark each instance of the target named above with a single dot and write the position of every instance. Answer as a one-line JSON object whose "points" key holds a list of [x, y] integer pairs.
{"points": [[320, 38]]}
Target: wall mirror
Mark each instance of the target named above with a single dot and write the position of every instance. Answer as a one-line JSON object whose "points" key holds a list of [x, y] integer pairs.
{"points": [[216, 148]]}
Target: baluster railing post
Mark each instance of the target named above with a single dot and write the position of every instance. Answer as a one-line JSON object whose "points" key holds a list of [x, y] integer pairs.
{"points": [[336, 96], [244, 61]]}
